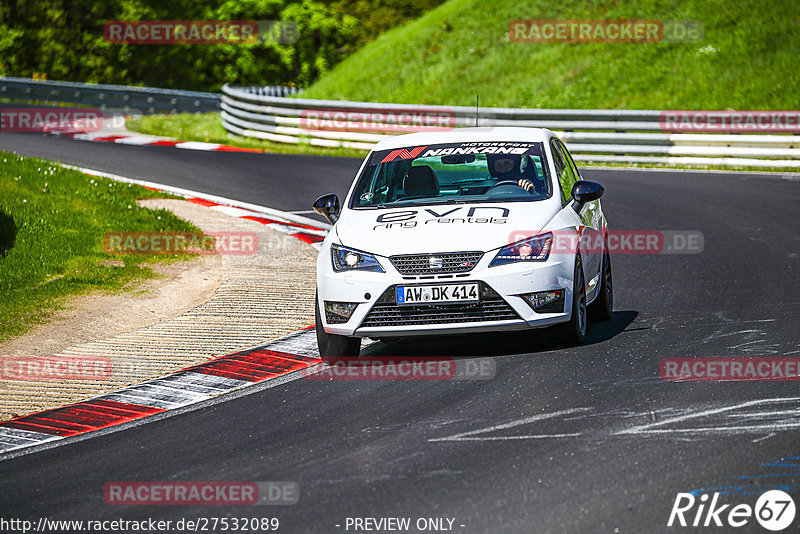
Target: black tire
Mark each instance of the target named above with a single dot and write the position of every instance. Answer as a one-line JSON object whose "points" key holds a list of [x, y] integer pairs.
{"points": [[603, 306], [333, 346], [574, 332]]}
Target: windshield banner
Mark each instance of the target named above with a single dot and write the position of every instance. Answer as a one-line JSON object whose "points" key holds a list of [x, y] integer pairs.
{"points": [[454, 149]]}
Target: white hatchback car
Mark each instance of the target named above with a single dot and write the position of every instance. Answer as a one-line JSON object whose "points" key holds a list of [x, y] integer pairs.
{"points": [[469, 230]]}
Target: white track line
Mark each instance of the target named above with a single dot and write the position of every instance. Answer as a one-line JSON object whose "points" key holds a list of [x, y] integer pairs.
{"points": [[285, 215], [649, 428], [468, 436]]}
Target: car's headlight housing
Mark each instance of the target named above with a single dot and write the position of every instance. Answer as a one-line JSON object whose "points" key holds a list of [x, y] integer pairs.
{"points": [[348, 259], [532, 249]]}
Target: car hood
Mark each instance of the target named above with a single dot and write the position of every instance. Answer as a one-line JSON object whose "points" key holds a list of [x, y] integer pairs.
{"points": [[441, 228]]}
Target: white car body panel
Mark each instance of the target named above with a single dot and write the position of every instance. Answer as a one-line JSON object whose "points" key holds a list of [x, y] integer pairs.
{"points": [[385, 232], [440, 234]]}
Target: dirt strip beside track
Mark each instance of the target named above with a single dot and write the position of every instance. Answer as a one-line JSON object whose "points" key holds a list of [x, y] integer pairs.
{"points": [[199, 310]]}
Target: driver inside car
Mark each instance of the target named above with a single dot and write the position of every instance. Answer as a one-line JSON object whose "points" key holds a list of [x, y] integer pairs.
{"points": [[513, 168]]}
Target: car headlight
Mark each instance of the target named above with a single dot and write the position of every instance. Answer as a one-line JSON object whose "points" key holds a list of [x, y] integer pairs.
{"points": [[532, 249], [348, 259]]}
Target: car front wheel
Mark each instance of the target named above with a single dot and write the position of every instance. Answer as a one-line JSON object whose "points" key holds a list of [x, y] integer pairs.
{"points": [[574, 332], [331, 345], [603, 306]]}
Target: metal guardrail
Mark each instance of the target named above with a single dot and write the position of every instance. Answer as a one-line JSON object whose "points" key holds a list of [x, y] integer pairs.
{"points": [[626, 136], [271, 90], [632, 136], [146, 100]]}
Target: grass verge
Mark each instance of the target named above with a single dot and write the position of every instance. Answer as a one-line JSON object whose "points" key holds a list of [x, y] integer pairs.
{"points": [[794, 172], [52, 223], [745, 60]]}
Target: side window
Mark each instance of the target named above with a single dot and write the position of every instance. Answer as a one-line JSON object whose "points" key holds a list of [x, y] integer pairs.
{"points": [[563, 172], [570, 162], [558, 159]]}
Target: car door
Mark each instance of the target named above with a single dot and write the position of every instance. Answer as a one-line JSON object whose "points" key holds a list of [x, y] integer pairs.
{"points": [[566, 218], [591, 216], [567, 175]]}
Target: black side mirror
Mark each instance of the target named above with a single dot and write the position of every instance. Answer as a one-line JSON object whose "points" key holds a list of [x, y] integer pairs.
{"points": [[585, 191], [328, 207]]}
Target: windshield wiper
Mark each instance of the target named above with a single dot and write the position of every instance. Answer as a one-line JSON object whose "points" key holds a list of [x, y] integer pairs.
{"points": [[424, 202]]}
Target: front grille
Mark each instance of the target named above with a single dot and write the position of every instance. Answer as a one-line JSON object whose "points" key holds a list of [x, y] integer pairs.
{"points": [[386, 312], [451, 262]]}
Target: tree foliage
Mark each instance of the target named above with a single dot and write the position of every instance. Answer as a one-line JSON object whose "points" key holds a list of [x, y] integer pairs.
{"points": [[63, 40]]}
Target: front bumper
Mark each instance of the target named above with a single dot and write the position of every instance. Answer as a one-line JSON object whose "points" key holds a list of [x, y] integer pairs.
{"points": [[501, 308]]}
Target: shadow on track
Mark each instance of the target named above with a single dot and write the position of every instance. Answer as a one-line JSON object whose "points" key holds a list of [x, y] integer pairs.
{"points": [[499, 344]]}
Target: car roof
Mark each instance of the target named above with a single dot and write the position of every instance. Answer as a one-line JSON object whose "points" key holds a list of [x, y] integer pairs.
{"points": [[466, 135]]}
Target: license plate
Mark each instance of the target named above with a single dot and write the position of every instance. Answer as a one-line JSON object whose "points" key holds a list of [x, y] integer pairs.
{"points": [[438, 294]]}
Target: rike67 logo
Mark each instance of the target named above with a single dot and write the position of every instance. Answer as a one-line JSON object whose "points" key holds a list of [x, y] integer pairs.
{"points": [[774, 510]]}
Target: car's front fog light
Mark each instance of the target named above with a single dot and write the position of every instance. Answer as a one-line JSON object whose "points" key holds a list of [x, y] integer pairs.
{"points": [[546, 301], [339, 312]]}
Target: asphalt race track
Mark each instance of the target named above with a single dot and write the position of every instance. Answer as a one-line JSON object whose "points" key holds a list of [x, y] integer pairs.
{"points": [[286, 181], [563, 439]]}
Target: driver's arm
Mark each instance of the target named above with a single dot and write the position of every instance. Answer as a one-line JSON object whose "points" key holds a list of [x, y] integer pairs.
{"points": [[527, 185]]}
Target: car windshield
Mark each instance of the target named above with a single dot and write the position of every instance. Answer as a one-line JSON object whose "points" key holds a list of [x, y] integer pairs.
{"points": [[454, 173]]}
